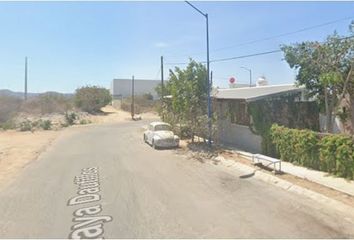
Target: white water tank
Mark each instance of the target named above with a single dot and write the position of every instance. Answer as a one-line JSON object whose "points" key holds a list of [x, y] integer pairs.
{"points": [[261, 81]]}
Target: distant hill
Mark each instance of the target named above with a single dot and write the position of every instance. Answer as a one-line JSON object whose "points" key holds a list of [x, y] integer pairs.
{"points": [[6, 92]]}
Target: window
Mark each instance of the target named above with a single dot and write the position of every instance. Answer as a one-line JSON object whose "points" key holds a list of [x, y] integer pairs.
{"points": [[238, 112], [162, 128]]}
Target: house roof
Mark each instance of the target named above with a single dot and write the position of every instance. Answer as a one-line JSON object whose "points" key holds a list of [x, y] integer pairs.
{"points": [[250, 94]]}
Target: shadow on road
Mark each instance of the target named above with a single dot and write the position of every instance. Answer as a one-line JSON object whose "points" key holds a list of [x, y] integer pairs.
{"points": [[248, 175]]}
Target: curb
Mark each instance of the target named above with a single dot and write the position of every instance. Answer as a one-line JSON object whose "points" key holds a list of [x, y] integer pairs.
{"points": [[288, 186], [248, 155]]}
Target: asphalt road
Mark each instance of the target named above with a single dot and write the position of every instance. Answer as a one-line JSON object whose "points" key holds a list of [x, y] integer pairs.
{"points": [[126, 189]]}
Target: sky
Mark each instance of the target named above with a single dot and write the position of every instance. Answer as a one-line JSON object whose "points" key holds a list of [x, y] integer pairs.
{"points": [[72, 44]]}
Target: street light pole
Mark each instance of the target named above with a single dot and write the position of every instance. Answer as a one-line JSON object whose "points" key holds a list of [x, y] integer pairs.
{"points": [[26, 75], [208, 69], [250, 71], [132, 106], [162, 90]]}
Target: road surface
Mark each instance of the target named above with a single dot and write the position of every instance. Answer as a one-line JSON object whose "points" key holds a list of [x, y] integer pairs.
{"points": [[125, 189]]}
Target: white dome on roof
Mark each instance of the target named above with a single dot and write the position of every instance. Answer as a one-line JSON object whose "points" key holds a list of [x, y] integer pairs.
{"points": [[262, 81]]}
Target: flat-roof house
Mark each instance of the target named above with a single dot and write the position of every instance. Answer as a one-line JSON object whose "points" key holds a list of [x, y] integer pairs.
{"points": [[122, 88], [285, 104]]}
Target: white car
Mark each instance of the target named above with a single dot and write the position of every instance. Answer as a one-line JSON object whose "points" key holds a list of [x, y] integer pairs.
{"points": [[159, 134]]}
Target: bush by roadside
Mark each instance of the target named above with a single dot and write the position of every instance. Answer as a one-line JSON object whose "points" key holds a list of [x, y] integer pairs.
{"points": [[45, 111], [92, 99], [142, 103], [47, 103], [9, 108], [332, 153]]}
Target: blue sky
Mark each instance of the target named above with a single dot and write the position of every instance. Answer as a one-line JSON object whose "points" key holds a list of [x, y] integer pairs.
{"points": [[70, 44]]}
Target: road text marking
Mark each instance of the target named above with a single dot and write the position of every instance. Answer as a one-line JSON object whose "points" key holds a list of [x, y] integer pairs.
{"points": [[87, 223]]}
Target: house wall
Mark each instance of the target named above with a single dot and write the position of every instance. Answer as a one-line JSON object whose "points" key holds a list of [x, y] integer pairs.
{"points": [[337, 126], [235, 135], [290, 114], [123, 87]]}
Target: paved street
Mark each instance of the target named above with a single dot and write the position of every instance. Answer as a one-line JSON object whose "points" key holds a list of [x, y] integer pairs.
{"points": [[139, 192]]}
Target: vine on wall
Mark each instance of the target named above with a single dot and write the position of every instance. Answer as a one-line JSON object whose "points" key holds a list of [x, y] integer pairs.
{"points": [[282, 110]]}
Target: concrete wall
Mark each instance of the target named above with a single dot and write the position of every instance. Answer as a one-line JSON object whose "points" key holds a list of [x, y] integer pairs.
{"points": [[235, 135], [337, 125], [123, 87]]}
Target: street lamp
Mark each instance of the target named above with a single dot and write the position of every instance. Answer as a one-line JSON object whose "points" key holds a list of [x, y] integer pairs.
{"points": [[250, 71], [208, 71]]}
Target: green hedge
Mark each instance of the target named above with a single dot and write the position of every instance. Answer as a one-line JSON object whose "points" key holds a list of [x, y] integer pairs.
{"points": [[337, 155], [330, 153]]}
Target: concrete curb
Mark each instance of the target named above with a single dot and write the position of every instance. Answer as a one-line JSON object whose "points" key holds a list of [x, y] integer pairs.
{"points": [[288, 186], [285, 168]]}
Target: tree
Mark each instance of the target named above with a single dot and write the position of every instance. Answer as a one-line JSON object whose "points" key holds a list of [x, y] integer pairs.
{"points": [[92, 99], [188, 103], [326, 70]]}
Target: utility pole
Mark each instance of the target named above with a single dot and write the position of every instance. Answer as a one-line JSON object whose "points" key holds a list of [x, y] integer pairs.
{"points": [[132, 107], [25, 96], [211, 80], [162, 89], [208, 70], [250, 71]]}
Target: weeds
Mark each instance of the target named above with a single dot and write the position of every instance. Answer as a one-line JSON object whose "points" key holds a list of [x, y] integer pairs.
{"points": [[9, 124], [70, 118], [46, 124], [84, 121], [26, 126]]}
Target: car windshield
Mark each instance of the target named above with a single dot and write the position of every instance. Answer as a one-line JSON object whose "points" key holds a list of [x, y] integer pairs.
{"points": [[162, 128]]}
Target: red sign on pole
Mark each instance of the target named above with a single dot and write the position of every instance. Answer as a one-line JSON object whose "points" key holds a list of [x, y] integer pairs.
{"points": [[232, 80]]}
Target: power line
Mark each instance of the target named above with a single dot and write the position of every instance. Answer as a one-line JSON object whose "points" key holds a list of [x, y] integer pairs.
{"points": [[285, 34], [231, 58], [274, 36], [157, 74], [244, 56]]}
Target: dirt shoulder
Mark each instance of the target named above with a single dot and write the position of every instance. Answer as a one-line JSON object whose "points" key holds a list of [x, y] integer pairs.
{"points": [[18, 149]]}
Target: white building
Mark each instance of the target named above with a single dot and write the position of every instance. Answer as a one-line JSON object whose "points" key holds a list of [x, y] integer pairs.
{"points": [[123, 87]]}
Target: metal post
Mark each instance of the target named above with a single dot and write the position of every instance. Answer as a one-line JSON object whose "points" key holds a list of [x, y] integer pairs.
{"points": [[250, 71], [162, 89], [208, 70], [25, 96], [250, 78], [132, 107], [209, 87], [211, 79]]}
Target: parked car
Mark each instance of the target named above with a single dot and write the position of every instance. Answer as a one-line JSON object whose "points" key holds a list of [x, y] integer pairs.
{"points": [[159, 134]]}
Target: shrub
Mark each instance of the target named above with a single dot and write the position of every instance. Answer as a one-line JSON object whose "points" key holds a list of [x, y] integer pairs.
{"points": [[46, 124], [9, 124], [148, 96], [92, 99], [337, 155], [70, 118], [296, 146], [332, 153], [142, 103], [47, 103], [84, 121], [9, 107], [26, 126]]}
